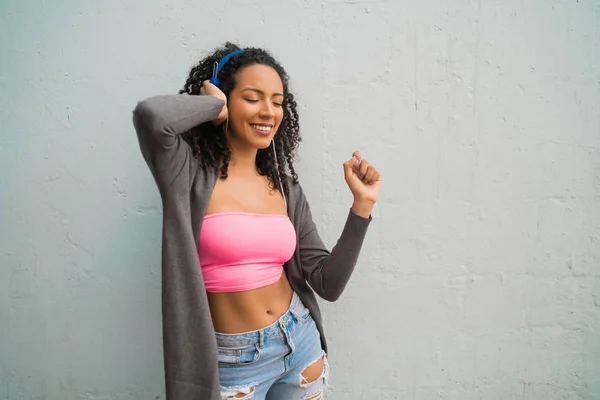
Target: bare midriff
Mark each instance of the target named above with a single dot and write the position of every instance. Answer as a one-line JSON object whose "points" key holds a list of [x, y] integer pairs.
{"points": [[250, 310]]}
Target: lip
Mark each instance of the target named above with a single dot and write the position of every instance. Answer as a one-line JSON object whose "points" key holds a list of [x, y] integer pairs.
{"points": [[263, 133]]}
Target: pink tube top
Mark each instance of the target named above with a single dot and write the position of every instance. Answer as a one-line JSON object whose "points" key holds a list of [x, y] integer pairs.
{"points": [[243, 251]]}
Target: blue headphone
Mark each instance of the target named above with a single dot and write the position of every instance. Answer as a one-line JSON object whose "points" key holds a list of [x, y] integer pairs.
{"points": [[214, 80]]}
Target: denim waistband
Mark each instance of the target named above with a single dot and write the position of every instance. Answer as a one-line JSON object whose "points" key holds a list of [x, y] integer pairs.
{"points": [[258, 336]]}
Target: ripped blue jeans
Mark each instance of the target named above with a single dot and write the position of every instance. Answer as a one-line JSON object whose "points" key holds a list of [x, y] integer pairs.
{"points": [[269, 363]]}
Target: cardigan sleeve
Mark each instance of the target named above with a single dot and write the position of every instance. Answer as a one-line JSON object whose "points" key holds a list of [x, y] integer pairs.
{"points": [[328, 272], [160, 120]]}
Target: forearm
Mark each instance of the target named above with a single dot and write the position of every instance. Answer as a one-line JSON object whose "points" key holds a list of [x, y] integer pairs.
{"points": [[331, 275], [175, 114]]}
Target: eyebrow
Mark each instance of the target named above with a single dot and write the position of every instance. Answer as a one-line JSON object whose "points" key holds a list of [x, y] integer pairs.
{"points": [[260, 91]]}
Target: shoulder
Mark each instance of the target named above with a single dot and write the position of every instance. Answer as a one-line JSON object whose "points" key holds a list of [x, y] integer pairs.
{"points": [[297, 200], [295, 189]]}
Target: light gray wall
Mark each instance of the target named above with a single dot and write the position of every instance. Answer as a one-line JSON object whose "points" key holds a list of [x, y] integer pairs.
{"points": [[480, 276]]}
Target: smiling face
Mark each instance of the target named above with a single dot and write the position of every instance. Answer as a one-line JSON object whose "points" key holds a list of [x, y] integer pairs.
{"points": [[255, 107]]}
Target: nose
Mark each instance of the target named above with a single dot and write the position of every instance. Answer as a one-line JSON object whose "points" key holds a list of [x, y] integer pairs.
{"points": [[267, 110]]}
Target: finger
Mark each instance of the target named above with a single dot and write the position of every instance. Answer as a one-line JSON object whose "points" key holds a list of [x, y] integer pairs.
{"points": [[209, 88], [370, 175], [349, 167], [202, 91], [377, 177], [362, 168], [358, 158]]}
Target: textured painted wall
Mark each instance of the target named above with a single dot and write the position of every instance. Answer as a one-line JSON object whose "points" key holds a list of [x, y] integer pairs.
{"points": [[480, 276]]}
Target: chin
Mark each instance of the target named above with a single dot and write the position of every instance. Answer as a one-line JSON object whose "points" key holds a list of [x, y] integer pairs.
{"points": [[263, 144], [260, 142]]}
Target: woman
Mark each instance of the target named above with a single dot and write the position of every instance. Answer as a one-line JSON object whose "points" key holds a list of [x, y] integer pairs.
{"points": [[241, 256]]}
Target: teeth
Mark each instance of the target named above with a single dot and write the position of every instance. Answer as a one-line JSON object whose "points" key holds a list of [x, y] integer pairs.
{"points": [[263, 128]]}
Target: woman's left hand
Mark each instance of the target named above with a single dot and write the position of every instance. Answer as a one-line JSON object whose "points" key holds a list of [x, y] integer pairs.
{"points": [[364, 182]]}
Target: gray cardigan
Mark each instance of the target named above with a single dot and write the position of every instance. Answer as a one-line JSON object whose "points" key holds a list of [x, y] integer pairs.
{"points": [[190, 348]]}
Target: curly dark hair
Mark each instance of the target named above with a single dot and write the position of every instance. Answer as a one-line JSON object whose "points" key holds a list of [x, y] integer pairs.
{"points": [[208, 142]]}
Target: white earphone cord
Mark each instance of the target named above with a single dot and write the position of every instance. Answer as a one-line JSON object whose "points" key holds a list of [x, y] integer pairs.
{"points": [[279, 176]]}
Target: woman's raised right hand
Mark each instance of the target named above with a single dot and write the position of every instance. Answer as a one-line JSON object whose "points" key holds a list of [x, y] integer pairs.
{"points": [[212, 90]]}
